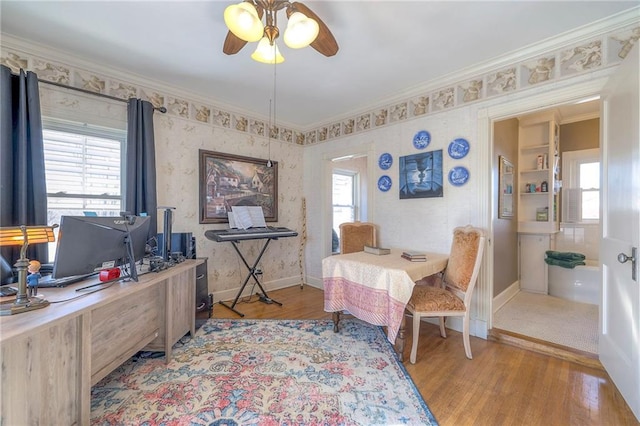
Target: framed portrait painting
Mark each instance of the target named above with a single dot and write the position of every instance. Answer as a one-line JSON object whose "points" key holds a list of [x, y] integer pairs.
{"points": [[231, 180], [421, 175]]}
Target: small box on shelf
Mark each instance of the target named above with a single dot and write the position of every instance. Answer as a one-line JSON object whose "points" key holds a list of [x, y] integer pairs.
{"points": [[542, 214]]}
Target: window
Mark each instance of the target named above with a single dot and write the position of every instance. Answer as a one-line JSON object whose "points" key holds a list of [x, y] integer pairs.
{"points": [[83, 167], [344, 199], [590, 189], [581, 186]]}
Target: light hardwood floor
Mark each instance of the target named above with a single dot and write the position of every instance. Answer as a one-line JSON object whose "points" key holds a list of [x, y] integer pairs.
{"points": [[501, 385]]}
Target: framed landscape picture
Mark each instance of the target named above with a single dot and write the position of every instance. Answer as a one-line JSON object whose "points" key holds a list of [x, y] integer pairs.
{"points": [[231, 180]]}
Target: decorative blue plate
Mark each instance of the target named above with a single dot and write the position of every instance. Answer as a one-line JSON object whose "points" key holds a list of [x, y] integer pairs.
{"points": [[385, 161], [458, 176], [384, 183], [458, 148], [421, 139]]}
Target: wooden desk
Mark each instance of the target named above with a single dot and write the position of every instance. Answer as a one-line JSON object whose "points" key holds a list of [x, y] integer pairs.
{"points": [[375, 288], [52, 356]]}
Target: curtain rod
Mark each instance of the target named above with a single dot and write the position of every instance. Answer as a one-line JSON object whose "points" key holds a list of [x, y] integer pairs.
{"points": [[53, 83]]}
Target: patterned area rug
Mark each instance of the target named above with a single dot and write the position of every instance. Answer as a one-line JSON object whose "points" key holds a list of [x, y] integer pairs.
{"points": [[266, 372]]}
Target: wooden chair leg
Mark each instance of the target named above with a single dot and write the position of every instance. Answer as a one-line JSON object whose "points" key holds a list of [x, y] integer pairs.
{"points": [[443, 331], [414, 342], [465, 336]]}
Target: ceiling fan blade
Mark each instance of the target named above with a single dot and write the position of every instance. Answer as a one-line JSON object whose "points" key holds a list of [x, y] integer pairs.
{"points": [[325, 43], [232, 44]]}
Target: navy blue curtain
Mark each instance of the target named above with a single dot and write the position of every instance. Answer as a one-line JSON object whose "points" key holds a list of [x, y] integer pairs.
{"points": [[140, 162], [23, 191]]}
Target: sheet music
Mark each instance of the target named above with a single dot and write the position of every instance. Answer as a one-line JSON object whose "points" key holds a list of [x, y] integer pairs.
{"points": [[257, 216], [232, 220], [245, 217]]}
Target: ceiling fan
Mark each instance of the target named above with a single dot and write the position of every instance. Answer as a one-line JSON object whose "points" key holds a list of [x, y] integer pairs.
{"points": [[305, 28]]}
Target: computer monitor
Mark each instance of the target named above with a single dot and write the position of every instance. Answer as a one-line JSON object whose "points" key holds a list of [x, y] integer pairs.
{"points": [[88, 244]]}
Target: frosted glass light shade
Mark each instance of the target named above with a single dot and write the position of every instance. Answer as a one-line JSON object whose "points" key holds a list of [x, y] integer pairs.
{"points": [[301, 31], [15, 235], [266, 53], [243, 21]]}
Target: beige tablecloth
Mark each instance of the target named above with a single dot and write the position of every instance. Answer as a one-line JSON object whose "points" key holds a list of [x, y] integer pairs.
{"points": [[375, 288]]}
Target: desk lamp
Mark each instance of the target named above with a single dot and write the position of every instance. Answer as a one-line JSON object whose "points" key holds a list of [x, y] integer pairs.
{"points": [[23, 236]]}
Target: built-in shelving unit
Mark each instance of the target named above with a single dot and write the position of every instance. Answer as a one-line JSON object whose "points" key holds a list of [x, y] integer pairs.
{"points": [[538, 160], [537, 167]]}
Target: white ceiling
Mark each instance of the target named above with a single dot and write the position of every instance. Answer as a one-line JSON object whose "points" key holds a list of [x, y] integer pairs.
{"points": [[386, 47]]}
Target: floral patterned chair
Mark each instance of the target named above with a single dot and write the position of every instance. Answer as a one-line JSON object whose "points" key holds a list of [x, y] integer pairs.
{"points": [[355, 235], [449, 294]]}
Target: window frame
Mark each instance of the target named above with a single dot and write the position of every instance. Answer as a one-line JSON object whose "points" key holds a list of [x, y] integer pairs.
{"points": [[571, 162], [89, 130], [355, 193], [84, 130]]}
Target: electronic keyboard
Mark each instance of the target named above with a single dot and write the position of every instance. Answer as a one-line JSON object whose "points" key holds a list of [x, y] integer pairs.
{"points": [[270, 232]]}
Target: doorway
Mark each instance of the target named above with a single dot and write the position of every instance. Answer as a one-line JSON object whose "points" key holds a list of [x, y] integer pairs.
{"points": [[355, 162], [348, 194], [563, 314]]}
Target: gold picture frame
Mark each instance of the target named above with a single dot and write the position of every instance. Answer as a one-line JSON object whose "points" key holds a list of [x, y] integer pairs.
{"points": [[227, 180]]}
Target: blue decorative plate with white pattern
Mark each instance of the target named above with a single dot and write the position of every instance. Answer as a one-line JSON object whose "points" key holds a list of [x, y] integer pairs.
{"points": [[421, 139], [458, 148], [385, 161], [458, 176], [384, 183]]}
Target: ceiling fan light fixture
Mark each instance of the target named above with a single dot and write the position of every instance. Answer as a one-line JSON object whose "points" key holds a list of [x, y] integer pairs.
{"points": [[301, 31], [243, 21], [267, 53]]}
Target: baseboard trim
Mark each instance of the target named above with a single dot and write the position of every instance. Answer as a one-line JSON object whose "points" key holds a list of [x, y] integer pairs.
{"points": [[506, 295]]}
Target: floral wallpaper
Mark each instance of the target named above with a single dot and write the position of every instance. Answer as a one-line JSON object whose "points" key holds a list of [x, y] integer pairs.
{"points": [[178, 142], [186, 128]]}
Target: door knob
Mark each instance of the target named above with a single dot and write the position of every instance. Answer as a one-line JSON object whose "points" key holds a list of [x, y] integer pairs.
{"points": [[622, 258]]}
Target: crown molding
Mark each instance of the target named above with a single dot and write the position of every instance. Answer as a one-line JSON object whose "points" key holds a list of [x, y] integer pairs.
{"points": [[576, 36], [60, 56], [564, 40]]}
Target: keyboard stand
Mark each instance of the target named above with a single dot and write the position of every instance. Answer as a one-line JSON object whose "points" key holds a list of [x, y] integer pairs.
{"points": [[252, 274]]}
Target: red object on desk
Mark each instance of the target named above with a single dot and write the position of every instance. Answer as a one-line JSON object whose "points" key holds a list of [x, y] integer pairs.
{"points": [[109, 274]]}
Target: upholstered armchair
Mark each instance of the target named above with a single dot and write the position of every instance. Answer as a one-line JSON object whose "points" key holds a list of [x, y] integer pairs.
{"points": [[450, 293], [355, 235]]}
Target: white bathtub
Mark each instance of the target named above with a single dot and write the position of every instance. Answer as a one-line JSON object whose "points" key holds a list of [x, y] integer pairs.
{"points": [[580, 284]]}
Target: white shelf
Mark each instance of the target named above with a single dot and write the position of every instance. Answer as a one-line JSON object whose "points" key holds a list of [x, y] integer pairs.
{"points": [[534, 227], [537, 137], [522, 172], [542, 147]]}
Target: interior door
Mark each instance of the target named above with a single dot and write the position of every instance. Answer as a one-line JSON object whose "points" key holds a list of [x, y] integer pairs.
{"points": [[620, 310]]}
